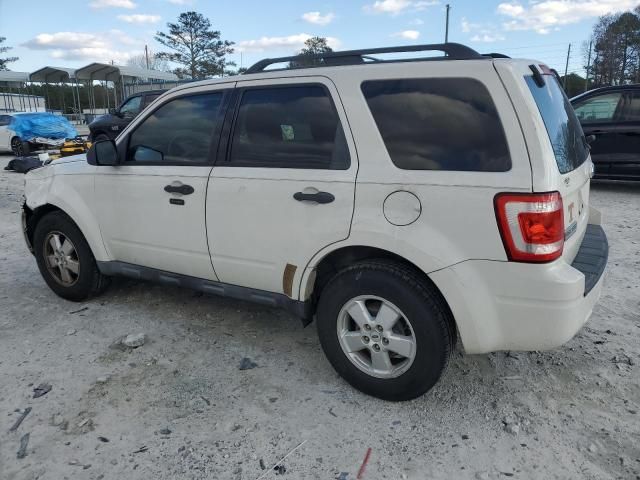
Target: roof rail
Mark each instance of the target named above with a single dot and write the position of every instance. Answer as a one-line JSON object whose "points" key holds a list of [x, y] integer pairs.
{"points": [[496, 55], [453, 51]]}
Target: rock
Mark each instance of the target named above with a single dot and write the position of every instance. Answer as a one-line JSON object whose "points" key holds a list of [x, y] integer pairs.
{"points": [[134, 340], [247, 364], [102, 379], [593, 448], [513, 428], [57, 420], [165, 431], [280, 469], [482, 476], [41, 390], [71, 331]]}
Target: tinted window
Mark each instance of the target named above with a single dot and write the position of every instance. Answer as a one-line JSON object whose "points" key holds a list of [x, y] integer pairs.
{"points": [[288, 127], [563, 127], [5, 120], [631, 109], [598, 109], [178, 132], [149, 98], [438, 124], [131, 107]]}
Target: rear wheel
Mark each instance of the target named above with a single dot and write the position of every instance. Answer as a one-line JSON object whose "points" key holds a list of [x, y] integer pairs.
{"points": [[384, 329], [65, 259]]}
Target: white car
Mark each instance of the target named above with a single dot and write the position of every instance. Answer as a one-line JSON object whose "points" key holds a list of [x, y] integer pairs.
{"points": [[10, 141], [399, 203]]}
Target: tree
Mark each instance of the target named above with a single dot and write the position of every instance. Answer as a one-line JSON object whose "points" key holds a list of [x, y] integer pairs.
{"points": [[4, 61], [155, 62], [195, 46], [615, 59], [312, 46]]}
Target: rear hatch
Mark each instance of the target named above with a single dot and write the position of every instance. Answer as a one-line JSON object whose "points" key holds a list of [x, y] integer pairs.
{"points": [[564, 151]]}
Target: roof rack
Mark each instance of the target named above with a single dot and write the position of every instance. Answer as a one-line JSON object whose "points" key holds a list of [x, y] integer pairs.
{"points": [[453, 51]]}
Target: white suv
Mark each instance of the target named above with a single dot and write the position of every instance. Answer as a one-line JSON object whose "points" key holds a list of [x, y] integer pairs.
{"points": [[398, 202]]}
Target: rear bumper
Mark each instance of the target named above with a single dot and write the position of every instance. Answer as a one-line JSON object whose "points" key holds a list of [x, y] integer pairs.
{"points": [[519, 306]]}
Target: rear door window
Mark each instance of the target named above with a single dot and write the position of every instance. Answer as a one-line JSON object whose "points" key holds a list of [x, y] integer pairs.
{"points": [[288, 127], [599, 109], [563, 128], [438, 124]]}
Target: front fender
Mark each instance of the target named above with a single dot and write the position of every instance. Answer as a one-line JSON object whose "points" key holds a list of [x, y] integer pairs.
{"points": [[69, 187]]}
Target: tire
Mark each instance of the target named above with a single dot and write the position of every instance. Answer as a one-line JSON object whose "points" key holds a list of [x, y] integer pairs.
{"points": [[19, 147], [101, 137], [423, 317], [88, 281]]}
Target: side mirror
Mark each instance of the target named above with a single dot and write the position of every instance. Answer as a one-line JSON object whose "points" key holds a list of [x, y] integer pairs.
{"points": [[590, 139], [114, 111], [103, 153]]}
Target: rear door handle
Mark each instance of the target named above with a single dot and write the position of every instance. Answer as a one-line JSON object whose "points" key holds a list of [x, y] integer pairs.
{"points": [[183, 189], [320, 197]]}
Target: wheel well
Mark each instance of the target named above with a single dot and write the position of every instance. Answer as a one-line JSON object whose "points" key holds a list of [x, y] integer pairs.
{"points": [[343, 257], [34, 216]]}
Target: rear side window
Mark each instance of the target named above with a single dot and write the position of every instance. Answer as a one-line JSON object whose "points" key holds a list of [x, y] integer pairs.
{"points": [[288, 127], [438, 124], [563, 127], [631, 110]]}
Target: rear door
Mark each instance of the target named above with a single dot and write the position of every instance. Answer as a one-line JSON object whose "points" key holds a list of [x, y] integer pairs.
{"points": [[5, 133], [285, 188]]}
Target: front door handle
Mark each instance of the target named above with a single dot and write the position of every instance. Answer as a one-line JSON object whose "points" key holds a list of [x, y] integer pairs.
{"points": [[320, 197], [183, 189]]}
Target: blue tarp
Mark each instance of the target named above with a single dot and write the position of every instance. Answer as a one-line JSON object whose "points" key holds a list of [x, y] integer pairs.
{"points": [[47, 125]]}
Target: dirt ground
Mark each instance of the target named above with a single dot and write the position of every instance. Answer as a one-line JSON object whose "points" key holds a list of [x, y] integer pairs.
{"points": [[180, 407]]}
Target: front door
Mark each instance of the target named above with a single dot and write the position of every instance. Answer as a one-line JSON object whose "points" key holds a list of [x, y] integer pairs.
{"points": [[151, 207], [613, 118], [285, 188]]}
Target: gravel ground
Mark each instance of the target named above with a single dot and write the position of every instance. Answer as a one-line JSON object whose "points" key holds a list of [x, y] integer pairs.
{"points": [[180, 407]]}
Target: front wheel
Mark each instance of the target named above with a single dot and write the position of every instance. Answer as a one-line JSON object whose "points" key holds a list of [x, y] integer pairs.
{"points": [[65, 259], [19, 147], [385, 330]]}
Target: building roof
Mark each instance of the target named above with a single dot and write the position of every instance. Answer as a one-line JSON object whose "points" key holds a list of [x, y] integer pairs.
{"points": [[105, 71], [53, 75], [9, 76]]}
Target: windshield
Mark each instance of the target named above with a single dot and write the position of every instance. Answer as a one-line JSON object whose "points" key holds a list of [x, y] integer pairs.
{"points": [[563, 127]]}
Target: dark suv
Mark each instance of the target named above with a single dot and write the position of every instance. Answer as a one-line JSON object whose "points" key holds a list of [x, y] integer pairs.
{"points": [[107, 127], [612, 116]]}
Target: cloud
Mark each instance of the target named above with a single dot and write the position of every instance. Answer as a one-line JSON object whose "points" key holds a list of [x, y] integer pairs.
{"points": [[91, 47], [488, 37], [291, 42], [482, 32], [182, 2], [416, 22], [112, 4], [140, 18], [317, 18], [407, 34], [543, 16], [395, 7]]}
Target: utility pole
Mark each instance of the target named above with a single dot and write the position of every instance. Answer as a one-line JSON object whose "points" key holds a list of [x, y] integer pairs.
{"points": [[566, 69], [146, 55], [446, 29], [586, 81]]}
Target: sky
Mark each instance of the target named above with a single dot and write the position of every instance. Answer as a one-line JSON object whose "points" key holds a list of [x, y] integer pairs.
{"points": [[74, 33]]}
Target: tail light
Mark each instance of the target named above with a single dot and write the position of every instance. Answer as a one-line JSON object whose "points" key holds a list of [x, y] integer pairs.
{"points": [[531, 225]]}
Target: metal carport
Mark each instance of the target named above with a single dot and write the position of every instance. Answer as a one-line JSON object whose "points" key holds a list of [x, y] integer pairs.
{"points": [[120, 76], [18, 80], [59, 75]]}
